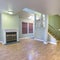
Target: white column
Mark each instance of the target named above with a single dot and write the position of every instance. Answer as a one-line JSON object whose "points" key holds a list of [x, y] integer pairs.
{"points": [[34, 24], [46, 29]]}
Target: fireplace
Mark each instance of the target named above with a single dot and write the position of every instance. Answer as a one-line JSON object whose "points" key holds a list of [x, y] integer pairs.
{"points": [[10, 35]]}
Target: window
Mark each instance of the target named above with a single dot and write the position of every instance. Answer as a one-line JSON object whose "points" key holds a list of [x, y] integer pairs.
{"points": [[24, 28], [30, 27]]}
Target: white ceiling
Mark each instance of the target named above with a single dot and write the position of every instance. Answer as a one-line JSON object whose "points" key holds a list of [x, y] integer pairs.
{"points": [[23, 14], [43, 6]]}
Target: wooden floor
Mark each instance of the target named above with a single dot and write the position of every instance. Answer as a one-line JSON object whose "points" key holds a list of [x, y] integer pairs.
{"points": [[28, 49]]}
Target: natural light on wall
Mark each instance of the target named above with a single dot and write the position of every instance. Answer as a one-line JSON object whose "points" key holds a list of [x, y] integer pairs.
{"points": [[31, 17], [38, 16], [43, 20], [58, 29], [8, 12]]}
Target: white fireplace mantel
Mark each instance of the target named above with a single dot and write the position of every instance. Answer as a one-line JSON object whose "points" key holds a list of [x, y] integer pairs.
{"points": [[9, 30]]}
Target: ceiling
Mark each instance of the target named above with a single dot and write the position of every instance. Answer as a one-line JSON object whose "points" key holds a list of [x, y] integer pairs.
{"points": [[23, 14], [43, 6]]}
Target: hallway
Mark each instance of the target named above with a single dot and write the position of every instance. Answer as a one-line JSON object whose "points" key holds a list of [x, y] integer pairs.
{"points": [[28, 49]]}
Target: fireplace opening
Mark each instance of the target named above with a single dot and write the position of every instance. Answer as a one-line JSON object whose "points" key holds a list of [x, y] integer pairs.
{"points": [[11, 37]]}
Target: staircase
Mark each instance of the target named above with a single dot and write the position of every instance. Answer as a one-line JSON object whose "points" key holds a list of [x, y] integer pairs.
{"points": [[52, 35], [52, 31], [51, 39]]}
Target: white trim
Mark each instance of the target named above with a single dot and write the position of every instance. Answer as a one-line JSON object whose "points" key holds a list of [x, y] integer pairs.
{"points": [[52, 43], [45, 42], [31, 37], [38, 39], [34, 39], [51, 39], [9, 30], [25, 38]]}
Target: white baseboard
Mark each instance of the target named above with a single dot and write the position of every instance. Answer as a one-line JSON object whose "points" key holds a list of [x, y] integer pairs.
{"points": [[52, 43], [52, 39], [25, 38], [35, 39], [38, 39], [31, 38], [45, 42]]}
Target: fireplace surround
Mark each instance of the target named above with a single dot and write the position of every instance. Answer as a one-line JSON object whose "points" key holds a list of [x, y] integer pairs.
{"points": [[10, 35]]}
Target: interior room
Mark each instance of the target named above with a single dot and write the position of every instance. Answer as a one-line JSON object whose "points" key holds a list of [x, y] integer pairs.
{"points": [[29, 30]]}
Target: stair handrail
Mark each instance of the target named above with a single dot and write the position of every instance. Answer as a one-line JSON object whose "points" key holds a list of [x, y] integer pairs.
{"points": [[52, 29]]}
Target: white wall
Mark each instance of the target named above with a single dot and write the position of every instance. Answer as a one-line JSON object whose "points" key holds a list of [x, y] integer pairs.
{"points": [[0, 29], [40, 31], [46, 29], [28, 35], [0, 26]]}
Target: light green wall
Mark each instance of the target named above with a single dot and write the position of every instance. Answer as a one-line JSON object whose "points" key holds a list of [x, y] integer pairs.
{"points": [[10, 21], [54, 21]]}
